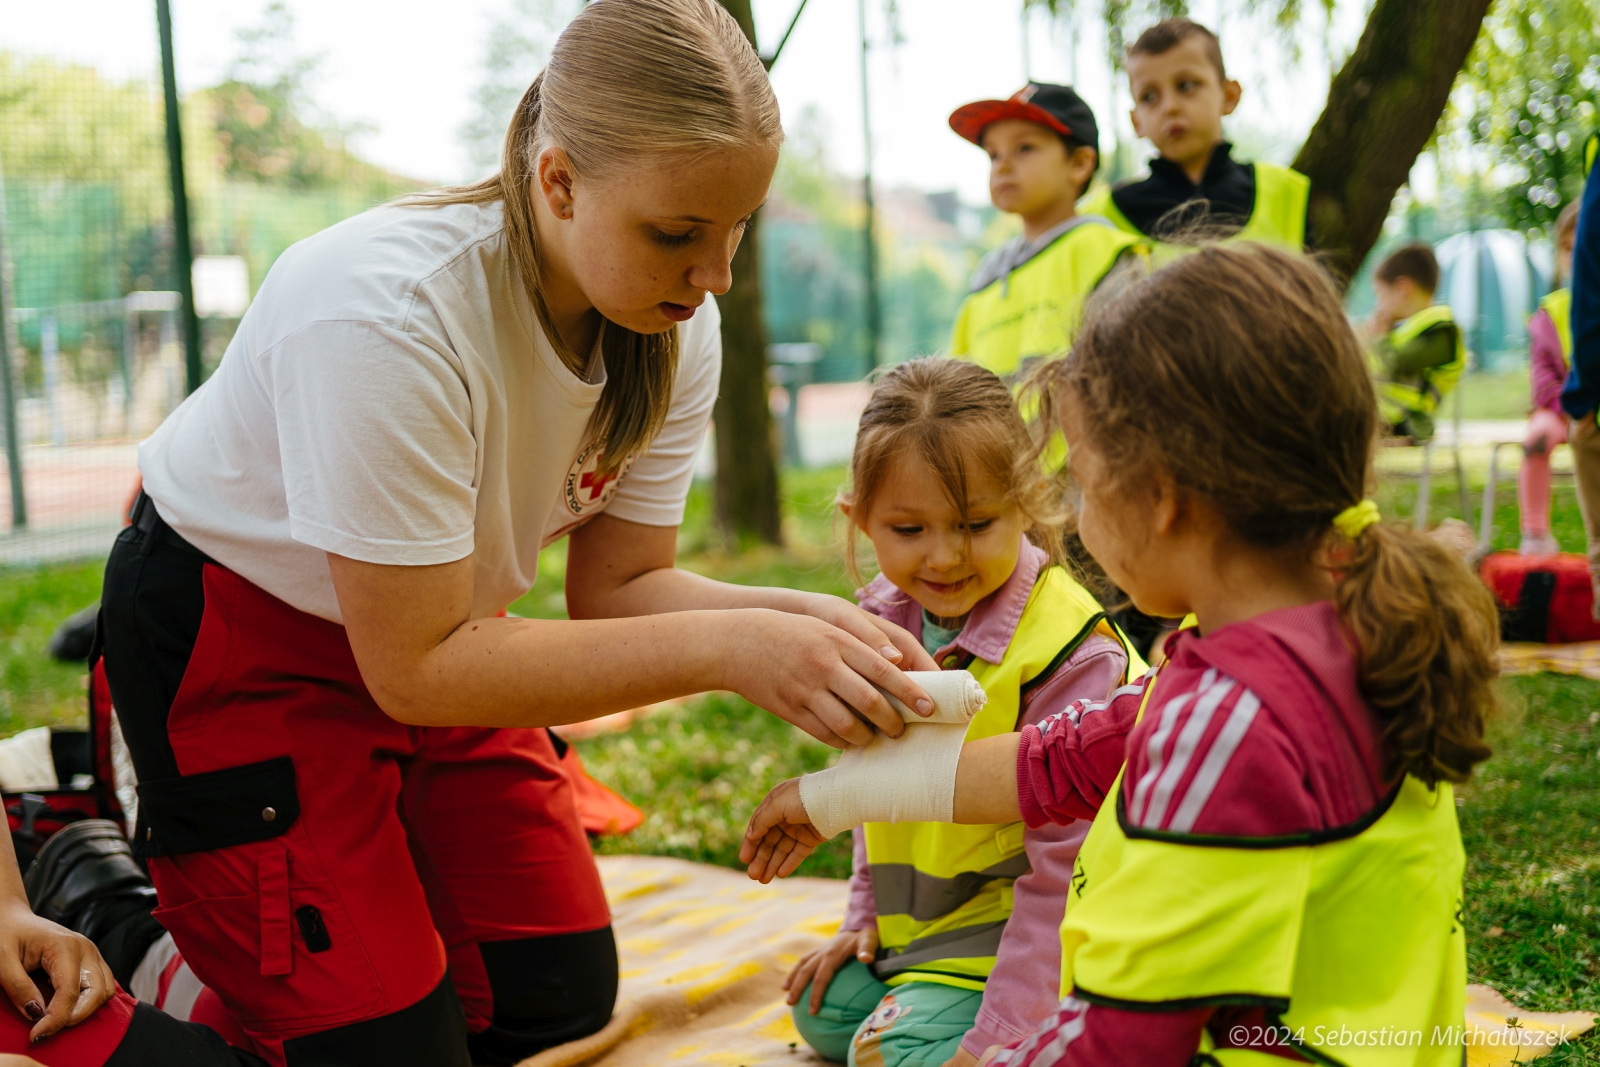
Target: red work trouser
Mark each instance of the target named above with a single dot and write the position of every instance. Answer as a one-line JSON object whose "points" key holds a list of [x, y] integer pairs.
{"points": [[389, 855]]}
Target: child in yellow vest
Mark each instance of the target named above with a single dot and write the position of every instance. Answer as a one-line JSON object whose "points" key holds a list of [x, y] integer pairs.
{"points": [[1416, 349], [1276, 873], [1027, 296], [1181, 91], [949, 943]]}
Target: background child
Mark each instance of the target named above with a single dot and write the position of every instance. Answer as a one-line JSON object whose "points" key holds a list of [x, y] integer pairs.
{"points": [[1027, 296], [1549, 342], [967, 541], [1279, 862], [1181, 91], [1417, 353]]}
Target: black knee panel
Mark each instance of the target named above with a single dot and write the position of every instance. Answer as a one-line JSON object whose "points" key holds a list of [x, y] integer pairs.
{"points": [[430, 1033], [547, 991], [156, 1039]]}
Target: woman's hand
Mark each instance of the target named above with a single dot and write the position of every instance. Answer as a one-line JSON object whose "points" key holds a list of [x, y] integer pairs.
{"points": [[780, 835], [869, 629], [962, 1058], [816, 675], [80, 979], [817, 968]]}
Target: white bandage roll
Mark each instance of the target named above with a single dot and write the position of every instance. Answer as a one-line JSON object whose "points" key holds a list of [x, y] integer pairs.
{"points": [[957, 697], [911, 778]]}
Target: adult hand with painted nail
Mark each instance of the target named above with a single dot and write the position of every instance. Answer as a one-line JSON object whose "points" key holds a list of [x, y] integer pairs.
{"points": [[79, 981]]}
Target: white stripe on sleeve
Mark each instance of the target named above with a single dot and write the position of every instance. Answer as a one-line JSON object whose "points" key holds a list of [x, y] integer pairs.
{"points": [[1216, 761], [1188, 740], [1158, 742]]}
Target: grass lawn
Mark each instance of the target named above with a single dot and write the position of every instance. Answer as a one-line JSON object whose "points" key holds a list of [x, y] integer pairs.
{"points": [[1530, 818]]}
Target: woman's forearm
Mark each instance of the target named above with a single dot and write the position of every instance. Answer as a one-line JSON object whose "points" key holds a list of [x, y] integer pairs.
{"points": [[669, 589], [540, 672]]}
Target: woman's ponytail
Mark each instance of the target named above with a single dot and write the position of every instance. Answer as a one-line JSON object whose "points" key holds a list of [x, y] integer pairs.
{"points": [[1426, 633]]}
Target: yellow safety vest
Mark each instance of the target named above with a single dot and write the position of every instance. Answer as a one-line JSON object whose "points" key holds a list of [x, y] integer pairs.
{"points": [[1277, 218], [1558, 305], [1396, 400], [1351, 938], [1033, 312], [942, 891]]}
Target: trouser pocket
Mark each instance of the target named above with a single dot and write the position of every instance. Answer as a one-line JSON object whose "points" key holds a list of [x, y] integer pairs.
{"points": [[283, 954]]}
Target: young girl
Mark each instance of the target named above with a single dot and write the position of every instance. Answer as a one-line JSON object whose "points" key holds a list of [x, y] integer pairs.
{"points": [[948, 946], [1276, 871], [1549, 343]]}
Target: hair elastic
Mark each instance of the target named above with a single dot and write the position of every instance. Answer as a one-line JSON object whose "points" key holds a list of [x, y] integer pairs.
{"points": [[1353, 520]]}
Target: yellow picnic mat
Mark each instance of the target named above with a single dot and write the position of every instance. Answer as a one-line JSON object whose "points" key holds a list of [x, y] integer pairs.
{"points": [[1498, 1033], [1581, 658], [704, 952]]}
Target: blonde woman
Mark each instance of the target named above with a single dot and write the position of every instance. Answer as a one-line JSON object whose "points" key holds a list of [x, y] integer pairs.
{"points": [[348, 803]]}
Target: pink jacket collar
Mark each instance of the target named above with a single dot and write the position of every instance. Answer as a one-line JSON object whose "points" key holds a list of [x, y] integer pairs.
{"points": [[993, 621]]}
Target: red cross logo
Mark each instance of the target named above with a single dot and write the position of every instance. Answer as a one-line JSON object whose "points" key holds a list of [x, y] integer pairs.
{"points": [[596, 483]]}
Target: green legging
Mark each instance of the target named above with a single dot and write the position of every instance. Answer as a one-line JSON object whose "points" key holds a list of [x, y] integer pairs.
{"points": [[865, 1023]]}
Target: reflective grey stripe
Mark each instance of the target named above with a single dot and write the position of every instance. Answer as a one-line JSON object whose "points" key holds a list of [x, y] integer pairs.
{"points": [[901, 889], [969, 941]]}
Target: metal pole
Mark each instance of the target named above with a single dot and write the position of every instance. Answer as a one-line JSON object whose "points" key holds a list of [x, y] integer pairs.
{"points": [[8, 379], [874, 322], [182, 249]]}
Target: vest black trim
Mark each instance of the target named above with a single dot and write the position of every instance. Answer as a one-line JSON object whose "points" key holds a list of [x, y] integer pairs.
{"points": [[1275, 1005], [1061, 657], [1314, 837]]}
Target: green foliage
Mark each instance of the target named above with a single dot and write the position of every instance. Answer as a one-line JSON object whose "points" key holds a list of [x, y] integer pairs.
{"points": [[812, 256], [1531, 88], [87, 198], [516, 49], [698, 771], [84, 165], [35, 690], [264, 125], [1125, 18]]}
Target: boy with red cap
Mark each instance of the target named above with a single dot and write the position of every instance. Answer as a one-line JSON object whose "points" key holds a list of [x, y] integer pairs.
{"points": [[1027, 296], [1181, 91]]}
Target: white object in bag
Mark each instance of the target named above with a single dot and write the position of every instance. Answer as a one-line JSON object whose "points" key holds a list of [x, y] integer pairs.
{"points": [[26, 763]]}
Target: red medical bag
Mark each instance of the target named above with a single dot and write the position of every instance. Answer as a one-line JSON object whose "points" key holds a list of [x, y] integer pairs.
{"points": [[1547, 599]]}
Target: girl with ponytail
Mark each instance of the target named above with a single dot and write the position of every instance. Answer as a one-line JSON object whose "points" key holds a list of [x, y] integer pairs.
{"points": [[1276, 867], [360, 838]]}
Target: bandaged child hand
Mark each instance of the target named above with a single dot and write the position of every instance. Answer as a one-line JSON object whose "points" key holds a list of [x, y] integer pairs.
{"points": [[780, 835]]}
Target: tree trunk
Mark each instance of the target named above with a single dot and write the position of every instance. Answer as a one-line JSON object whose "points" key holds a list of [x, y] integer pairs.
{"points": [[747, 474], [1382, 107]]}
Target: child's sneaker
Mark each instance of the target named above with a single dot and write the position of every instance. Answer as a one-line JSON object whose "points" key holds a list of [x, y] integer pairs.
{"points": [[1539, 545]]}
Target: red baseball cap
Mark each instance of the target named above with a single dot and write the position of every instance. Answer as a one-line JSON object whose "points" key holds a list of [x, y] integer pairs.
{"points": [[1055, 107]]}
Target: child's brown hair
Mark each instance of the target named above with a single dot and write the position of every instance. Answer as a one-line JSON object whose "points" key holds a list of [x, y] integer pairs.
{"points": [[1168, 34], [1415, 261], [1235, 371], [960, 420]]}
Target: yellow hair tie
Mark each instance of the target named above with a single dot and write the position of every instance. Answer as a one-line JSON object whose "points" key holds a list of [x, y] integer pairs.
{"points": [[1353, 520]]}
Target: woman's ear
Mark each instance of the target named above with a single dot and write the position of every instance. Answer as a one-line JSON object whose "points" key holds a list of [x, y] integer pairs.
{"points": [[556, 180]]}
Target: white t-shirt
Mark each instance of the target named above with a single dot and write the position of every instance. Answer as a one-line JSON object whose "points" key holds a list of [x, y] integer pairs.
{"points": [[390, 397]]}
